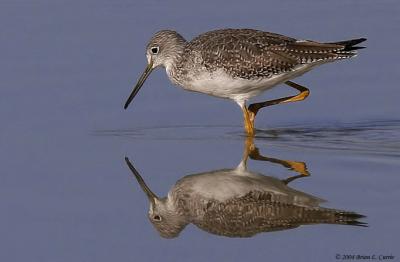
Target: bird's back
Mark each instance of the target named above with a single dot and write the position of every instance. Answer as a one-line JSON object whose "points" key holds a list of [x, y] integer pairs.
{"points": [[256, 212], [249, 53]]}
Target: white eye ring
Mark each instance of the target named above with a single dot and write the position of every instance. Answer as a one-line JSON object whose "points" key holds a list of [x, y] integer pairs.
{"points": [[154, 50]]}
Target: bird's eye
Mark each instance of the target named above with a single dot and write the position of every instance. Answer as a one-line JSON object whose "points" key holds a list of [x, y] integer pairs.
{"points": [[154, 50], [157, 218]]}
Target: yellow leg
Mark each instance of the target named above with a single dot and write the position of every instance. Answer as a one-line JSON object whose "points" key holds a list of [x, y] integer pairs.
{"points": [[248, 121], [253, 108], [304, 93]]}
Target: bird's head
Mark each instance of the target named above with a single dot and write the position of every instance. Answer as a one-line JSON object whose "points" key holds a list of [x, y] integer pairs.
{"points": [[163, 49]]}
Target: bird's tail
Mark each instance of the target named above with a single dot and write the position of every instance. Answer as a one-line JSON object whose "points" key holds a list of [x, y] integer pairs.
{"points": [[310, 51], [349, 218], [350, 45], [334, 216]]}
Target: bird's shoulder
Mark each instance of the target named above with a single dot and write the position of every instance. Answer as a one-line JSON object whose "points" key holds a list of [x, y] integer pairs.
{"points": [[231, 37], [244, 53]]}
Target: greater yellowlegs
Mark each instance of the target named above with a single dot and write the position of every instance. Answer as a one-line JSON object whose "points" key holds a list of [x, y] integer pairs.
{"points": [[238, 202], [239, 64]]}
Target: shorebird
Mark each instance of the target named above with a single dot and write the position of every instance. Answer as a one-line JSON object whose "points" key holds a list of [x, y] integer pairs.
{"points": [[239, 64], [239, 203]]}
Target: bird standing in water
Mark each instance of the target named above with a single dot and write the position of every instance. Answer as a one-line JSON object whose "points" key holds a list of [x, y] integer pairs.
{"points": [[239, 64]]}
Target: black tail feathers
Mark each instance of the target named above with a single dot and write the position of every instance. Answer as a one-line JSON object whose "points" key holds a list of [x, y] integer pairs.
{"points": [[350, 218], [349, 45]]}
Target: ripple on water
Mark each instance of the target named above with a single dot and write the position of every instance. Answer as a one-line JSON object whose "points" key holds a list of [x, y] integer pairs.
{"points": [[378, 137], [374, 137]]}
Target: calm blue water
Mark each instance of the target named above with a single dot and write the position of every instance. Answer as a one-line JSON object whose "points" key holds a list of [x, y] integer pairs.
{"points": [[67, 68]]}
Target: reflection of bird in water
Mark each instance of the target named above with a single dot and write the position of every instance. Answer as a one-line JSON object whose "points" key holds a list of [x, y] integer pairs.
{"points": [[239, 203]]}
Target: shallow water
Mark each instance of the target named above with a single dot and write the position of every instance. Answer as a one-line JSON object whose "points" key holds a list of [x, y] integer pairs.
{"points": [[66, 192]]}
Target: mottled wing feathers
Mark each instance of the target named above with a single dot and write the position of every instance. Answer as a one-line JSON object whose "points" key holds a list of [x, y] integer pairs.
{"points": [[243, 53], [258, 212], [306, 52], [248, 53]]}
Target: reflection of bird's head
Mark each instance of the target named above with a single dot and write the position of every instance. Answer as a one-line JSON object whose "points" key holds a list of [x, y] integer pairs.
{"points": [[162, 213], [165, 218]]}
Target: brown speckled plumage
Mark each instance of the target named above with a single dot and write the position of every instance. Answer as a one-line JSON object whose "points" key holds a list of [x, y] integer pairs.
{"points": [[238, 64], [256, 212], [248, 53]]}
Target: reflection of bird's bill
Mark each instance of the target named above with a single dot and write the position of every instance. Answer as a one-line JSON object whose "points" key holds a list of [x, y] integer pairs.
{"points": [[139, 84], [152, 197]]}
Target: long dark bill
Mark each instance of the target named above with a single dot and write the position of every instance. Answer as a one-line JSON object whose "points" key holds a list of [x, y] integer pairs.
{"points": [[139, 84], [152, 197]]}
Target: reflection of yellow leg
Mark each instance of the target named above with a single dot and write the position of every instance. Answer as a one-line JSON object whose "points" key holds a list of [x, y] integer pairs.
{"points": [[248, 147], [304, 92], [290, 179], [298, 167], [250, 150]]}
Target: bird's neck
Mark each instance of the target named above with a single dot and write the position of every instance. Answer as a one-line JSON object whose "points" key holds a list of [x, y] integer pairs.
{"points": [[171, 66], [174, 61]]}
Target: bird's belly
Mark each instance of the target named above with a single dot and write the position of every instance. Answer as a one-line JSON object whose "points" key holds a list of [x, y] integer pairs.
{"points": [[222, 185], [221, 84], [225, 185]]}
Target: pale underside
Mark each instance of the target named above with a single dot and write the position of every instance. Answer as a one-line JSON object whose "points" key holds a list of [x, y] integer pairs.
{"points": [[223, 185], [222, 85]]}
